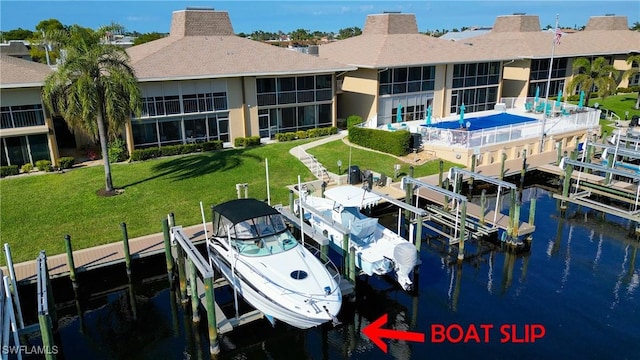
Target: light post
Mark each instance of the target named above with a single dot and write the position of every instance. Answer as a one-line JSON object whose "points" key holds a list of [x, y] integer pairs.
{"points": [[339, 167]]}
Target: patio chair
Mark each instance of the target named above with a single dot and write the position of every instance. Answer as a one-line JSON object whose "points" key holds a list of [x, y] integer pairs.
{"points": [[528, 107], [390, 127], [540, 108]]}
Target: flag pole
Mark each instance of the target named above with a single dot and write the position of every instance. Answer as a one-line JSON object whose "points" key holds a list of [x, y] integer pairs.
{"points": [[556, 39]]}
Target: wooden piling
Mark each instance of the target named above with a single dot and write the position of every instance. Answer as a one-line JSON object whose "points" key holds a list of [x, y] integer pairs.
{"points": [[502, 161], [195, 299], [214, 347], [352, 265], [566, 185], [512, 206], [291, 207], [345, 255], [532, 211], [127, 254], [463, 220], [445, 185], [610, 159], [473, 170], [419, 233], [483, 205], [523, 171], [559, 151], [441, 169], [167, 250], [182, 277], [516, 220], [70, 263]]}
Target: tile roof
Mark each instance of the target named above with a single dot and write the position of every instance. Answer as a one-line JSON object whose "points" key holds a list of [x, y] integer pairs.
{"points": [[202, 45], [513, 37], [15, 72]]}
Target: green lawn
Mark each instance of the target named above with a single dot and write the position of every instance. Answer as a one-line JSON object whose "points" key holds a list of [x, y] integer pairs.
{"points": [[330, 153], [38, 210], [618, 104]]}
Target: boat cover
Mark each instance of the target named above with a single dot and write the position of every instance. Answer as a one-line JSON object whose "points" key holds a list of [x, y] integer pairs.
{"points": [[349, 196]]}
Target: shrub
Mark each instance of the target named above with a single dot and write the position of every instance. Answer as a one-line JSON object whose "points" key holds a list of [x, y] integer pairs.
{"points": [[238, 142], [353, 120], [390, 142], [9, 170], [67, 162], [145, 154], [288, 136], [27, 168], [117, 151], [301, 134], [44, 165]]}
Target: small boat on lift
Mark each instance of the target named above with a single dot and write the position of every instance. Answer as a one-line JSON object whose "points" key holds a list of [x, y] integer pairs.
{"points": [[253, 249], [379, 251]]}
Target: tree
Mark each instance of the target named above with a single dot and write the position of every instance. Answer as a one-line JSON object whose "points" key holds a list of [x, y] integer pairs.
{"points": [[146, 37], [16, 34], [349, 32], [94, 88], [635, 27], [593, 75], [634, 63], [41, 50]]}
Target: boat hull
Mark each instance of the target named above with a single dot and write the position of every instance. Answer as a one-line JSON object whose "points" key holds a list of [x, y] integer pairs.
{"points": [[298, 310]]}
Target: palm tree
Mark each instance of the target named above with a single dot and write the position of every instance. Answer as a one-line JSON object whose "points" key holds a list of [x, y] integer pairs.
{"points": [[593, 75], [632, 71], [94, 88]]}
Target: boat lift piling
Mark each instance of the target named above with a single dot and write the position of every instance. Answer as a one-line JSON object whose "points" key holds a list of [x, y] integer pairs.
{"points": [[127, 253], [167, 251], [70, 262]]}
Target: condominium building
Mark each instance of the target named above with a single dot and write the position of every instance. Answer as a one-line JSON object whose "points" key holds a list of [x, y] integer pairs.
{"points": [[202, 82]]}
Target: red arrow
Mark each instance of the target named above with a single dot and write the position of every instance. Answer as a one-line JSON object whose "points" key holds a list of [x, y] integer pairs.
{"points": [[375, 332]]}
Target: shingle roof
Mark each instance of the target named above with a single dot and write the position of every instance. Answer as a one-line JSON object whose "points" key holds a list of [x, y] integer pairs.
{"points": [[15, 72], [202, 45], [513, 36]]}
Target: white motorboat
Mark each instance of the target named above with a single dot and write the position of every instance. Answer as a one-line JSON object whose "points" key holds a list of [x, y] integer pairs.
{"points": [[269, 268], [379, 251]]}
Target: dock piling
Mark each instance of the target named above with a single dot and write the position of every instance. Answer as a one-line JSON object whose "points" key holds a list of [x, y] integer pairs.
{"points": [[532, 211], [483, 205], [441, 169], [127, 254], [214, 347], [502, 161], [167, 250], [352, 265], [195, 300], [70, 263]]}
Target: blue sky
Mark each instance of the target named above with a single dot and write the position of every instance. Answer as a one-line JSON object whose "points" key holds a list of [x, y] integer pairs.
{"points": [[328, 15]]}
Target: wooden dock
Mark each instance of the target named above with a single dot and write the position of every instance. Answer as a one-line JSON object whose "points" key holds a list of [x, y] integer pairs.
{"points": [[103, 255]]}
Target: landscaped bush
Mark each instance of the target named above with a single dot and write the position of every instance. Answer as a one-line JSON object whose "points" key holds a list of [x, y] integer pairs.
{"points": [[353, 120], [117, 151], [151, 153], [391, 142], [629, 89], [301, 134], [67, 162], [9, 170], [44, 165], [27, 168], [246, 141]]}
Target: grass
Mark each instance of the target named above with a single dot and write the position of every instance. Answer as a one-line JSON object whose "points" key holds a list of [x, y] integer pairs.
{"points": [[37, 211], [618, 104], [330, 153]]}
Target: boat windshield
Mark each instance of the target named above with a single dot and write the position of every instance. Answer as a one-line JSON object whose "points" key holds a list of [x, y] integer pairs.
{"points": [[261, 236]]}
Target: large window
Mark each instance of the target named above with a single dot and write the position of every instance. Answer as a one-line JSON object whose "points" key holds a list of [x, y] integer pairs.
{"points": [[471, 75], [169, 131], [540, 69], [291, 119], [21, 150], [406, 80], [187, 104], [292, 90]]}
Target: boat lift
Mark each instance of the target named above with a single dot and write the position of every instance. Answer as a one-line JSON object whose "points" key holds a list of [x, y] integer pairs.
{"points": [[410, 184], [582, 197]]}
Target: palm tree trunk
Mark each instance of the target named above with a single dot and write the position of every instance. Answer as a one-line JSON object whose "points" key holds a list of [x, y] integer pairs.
{"points": [[638, 101], [102, 135]]}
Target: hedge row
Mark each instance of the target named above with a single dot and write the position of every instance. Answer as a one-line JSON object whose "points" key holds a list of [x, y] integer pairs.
{"points": [[391, 142], [151, 153], [304, 134], [9, 170], [246, 141]]}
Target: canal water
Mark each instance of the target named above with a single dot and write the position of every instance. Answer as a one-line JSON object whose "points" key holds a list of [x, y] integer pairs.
{"points": [[573, 295]]}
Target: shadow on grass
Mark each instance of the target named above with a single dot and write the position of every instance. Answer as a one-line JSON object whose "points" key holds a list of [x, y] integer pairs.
{"points": [[195, 165]]}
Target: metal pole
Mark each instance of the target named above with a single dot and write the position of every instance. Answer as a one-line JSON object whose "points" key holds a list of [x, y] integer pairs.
{"points": [[544, 113], [266, 166], [70, 263], [14, 284], [127, 255], [214, 347]]}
